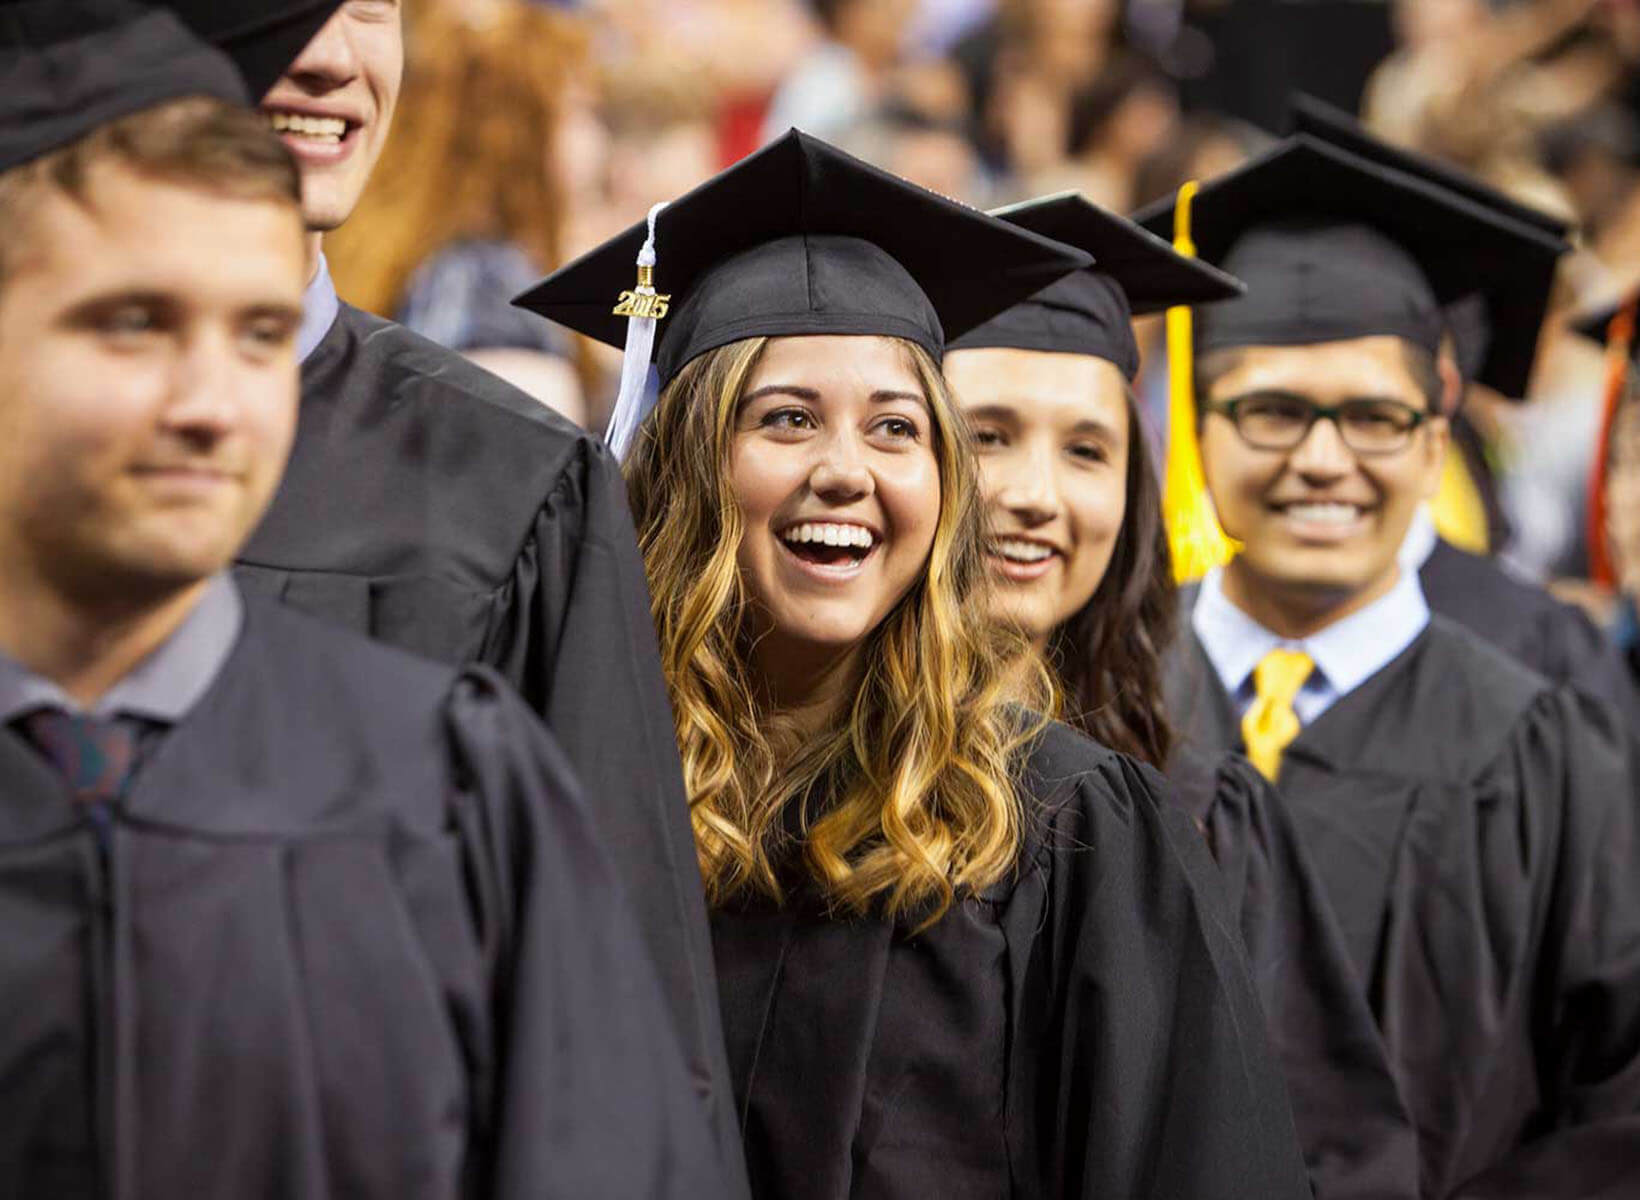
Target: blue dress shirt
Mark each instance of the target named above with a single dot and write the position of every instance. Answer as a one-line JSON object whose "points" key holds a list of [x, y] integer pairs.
{"points": [[1346, 653], [320, 304], [163, 686]]}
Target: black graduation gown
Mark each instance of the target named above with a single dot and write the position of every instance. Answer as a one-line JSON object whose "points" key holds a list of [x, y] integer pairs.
{"points": [[350, 935], [1555, 639], [434, 507], [1358, 1139], [1085, 1030], [1474, 832]]}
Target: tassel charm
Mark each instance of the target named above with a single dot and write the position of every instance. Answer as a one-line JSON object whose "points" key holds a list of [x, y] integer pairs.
{"points": [[642, 301], [642, 307]]}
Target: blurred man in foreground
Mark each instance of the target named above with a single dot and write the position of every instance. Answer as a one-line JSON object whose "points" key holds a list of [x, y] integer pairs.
{"points": [[284, 913]]}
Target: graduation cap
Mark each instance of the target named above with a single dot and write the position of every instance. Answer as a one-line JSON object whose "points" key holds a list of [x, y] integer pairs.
{"points": [[263, 37], [798, 238], [69, 66], [1090, 311], [1601, 325], [1467, 319], [1333, 245], [1320, 120]]}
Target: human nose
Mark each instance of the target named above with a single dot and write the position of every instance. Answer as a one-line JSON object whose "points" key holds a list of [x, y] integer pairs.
{"points": [[329, 60], [1028, 486], [841, 474], [1322, 453], [203, 404]]}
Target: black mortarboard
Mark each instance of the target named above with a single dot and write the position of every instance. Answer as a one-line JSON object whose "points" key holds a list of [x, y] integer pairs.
{"points": [[263, 37], [1596, 324], [801, 238], [1334, 246], [1467, 319], [69, 66], [1090, 311], [1326, 123]]}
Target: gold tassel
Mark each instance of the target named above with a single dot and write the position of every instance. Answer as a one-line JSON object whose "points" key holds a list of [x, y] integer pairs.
{"points": [[1458, 510], [1198, 542]]}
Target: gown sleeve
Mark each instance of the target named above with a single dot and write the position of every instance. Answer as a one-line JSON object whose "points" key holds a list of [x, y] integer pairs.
{"points": [[1357, 1138], [1585, 1140], [592, 672], [591, 1097], [1166, 1085]]}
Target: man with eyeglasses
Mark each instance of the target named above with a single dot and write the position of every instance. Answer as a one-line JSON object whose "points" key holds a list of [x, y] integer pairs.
{"points": [[1555, 639], [1473, 825]]}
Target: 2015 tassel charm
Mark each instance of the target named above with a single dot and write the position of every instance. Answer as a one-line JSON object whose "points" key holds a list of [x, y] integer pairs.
{"points": [[643, 307]]}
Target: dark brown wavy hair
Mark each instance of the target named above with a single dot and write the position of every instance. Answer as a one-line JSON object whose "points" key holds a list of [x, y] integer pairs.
{"points": [[1108, 655]]}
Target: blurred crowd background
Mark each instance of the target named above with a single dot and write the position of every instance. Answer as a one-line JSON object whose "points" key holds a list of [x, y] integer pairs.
{"points": [[530, 130]]}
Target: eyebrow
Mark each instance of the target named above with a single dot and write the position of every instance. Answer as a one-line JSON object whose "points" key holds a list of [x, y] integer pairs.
{"points": [[1303, 398], [1096, 427], [287, 312], [993, 412], [1003, 411], [171, 302], [880, 396], [125, 295]]}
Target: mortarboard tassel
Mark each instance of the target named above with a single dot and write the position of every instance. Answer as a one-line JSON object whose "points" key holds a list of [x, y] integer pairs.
{"points": [[1458, 509], [1619, 338], [643, 309], [1193, 531]]}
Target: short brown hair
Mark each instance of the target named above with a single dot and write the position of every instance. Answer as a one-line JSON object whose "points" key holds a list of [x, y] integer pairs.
{"points": [[197, 141]]}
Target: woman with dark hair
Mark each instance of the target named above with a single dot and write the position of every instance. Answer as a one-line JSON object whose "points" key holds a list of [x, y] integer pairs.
{"points": [[1078, 554], [1109, 651], [1080, 565], [961, 949]]}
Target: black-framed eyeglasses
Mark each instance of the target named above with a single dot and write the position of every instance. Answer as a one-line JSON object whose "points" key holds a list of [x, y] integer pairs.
{"points": [[1281, 421]]}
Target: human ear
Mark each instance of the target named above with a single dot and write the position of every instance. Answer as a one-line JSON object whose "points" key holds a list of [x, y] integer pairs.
{"points": [[1437, 445], [1451, 384]]}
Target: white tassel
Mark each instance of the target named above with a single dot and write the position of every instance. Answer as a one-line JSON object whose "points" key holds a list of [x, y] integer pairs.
{"points": [[642, 309]]}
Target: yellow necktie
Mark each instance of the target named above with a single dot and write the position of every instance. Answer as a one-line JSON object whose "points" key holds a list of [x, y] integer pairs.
{"points": [[1271, 723]]}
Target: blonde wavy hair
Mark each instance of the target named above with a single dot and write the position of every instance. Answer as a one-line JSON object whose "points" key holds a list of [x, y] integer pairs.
{"points": [[917, 775]]}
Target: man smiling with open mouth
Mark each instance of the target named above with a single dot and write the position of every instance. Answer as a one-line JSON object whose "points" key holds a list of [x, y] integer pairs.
{"points": [[334, 107]]}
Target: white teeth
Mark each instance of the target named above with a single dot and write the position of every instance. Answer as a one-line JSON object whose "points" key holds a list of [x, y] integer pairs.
{"points": [[1019, 550], [830, 535], [325, 129], [1324, 514]]}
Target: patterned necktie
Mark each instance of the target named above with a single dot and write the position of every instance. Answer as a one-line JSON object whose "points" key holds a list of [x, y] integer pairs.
{"points": [[1271, 723], [96, 757]]}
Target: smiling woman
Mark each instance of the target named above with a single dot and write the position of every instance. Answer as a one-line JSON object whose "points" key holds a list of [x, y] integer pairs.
{"points": [[1077, 552], [953, 939], [839, 481], [786, 657]]}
